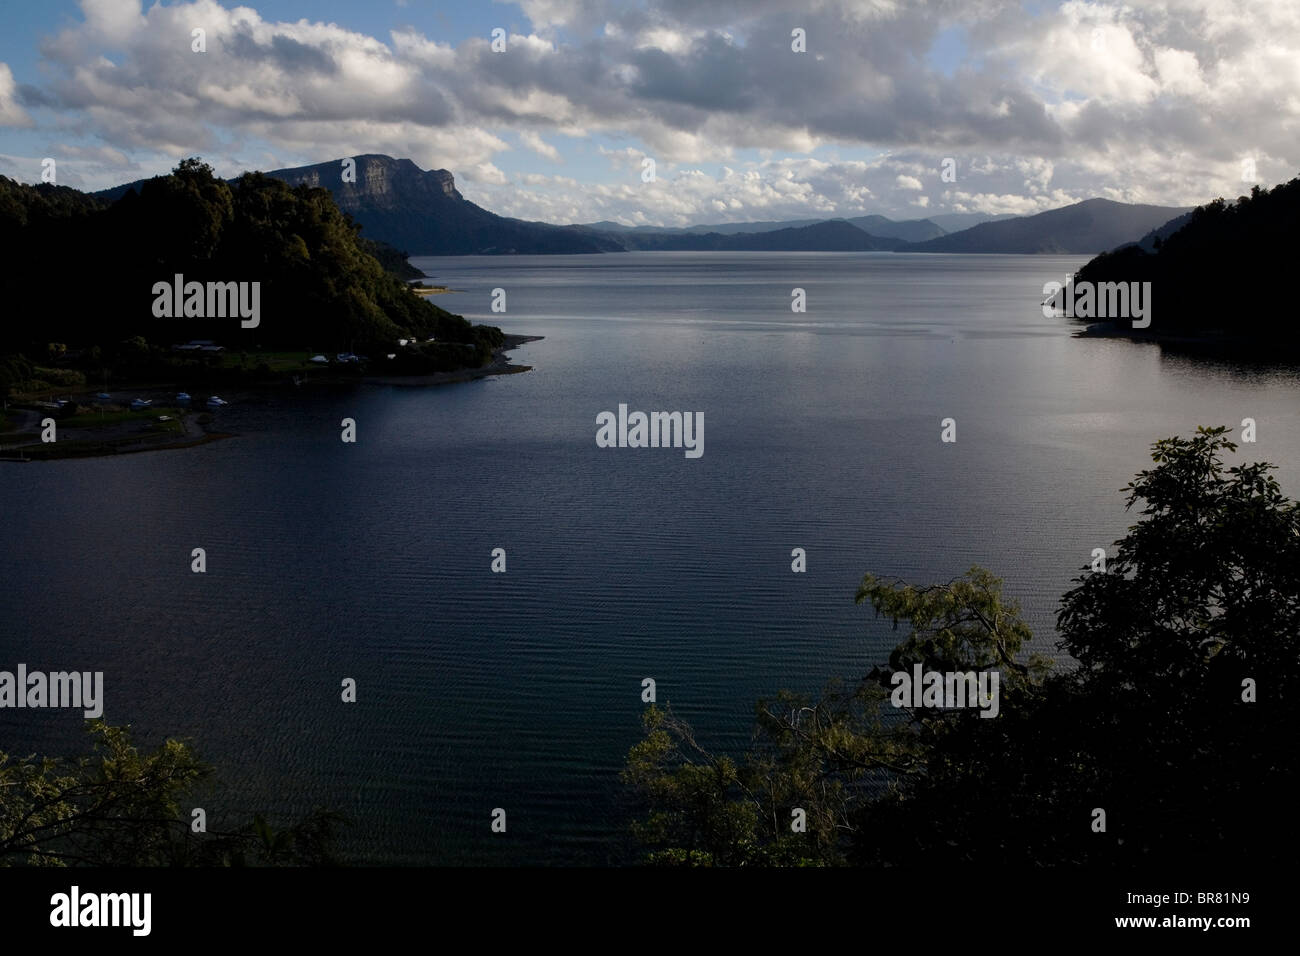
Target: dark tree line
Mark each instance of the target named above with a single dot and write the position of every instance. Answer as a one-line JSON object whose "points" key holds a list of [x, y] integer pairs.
{"points": [[1227, 269], [81, 271]]}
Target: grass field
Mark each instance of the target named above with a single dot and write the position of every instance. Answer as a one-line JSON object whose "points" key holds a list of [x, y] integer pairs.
{"points": [[93, 419]]}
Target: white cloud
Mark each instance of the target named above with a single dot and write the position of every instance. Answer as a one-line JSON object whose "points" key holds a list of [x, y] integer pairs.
{"points": [[485, 173], [1180, 73], [1151, 99], [114, 20], [539, 146], [11, 114]]}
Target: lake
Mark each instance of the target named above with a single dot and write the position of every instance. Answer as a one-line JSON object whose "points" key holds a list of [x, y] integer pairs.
{"points": [[522, 690]]}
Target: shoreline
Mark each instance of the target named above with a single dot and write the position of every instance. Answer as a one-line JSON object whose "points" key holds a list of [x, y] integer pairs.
{"points": [[116, 439], [91, 448], [1215, 344], [104, 441], [500, 365]]}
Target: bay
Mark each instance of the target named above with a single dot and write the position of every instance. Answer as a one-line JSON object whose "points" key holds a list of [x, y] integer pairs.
{"points": [[523, 690]]}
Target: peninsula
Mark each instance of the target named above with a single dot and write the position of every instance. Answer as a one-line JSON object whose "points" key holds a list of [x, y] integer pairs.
{"points": [[205, 292]]}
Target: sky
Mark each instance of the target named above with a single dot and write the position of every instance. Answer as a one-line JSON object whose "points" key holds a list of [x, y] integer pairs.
{"points": [[1027, 104]]}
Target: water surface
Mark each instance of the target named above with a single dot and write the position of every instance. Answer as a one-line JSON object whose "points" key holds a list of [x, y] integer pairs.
{"points": [[522, 690]]}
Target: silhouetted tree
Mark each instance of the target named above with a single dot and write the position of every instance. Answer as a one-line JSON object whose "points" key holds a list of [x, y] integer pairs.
{"points": [[121, 807], [1175, 717]]}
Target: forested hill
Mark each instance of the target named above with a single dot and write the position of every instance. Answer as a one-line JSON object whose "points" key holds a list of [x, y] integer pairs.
{"points": [[422, 212], [82, 270], [1221, 271], [1084, 228]]}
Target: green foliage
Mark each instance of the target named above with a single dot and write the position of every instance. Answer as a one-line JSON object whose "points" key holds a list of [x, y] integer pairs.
{"points": [[1150, 725], [393, 260], [63, 377], [833, 755], [121, 807], [963, 625], [708, 810], [1207, 582], [320, 281], [14, 371]]}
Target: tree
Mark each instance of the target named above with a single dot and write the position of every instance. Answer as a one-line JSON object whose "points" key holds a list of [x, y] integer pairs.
{"points": [[1194, 271], [827, 756], [316, 277], [119, 807], [14, 371], [1202, 596], [1154, 723]]}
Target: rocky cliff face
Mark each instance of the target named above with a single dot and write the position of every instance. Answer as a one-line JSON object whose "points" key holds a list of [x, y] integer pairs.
{"points": [[381, 182], [422, 212]]}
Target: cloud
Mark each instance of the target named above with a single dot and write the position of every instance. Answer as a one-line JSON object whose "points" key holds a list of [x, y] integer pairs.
{"points": [[1154, 98], [11, 114], [539, 146], [105, 155], [808, 188], [485, 173]]}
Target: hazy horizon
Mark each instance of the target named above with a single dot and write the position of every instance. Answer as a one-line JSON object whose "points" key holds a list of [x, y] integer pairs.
{"points": [[937, 218]]}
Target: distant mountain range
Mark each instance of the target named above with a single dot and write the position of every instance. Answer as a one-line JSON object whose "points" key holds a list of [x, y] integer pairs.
{"points": [[422, 213], [830, 235], [1087, 228], [957, 221], [911, 230]]}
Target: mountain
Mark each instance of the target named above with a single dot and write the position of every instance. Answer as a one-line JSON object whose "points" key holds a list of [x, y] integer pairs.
{"points": [[736, 228], [607, 225], [422, 213], [833, 235], [1088, 227], [1148, 242], [1217, 276], [721, 228], [957, 221], [909, 230]]}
